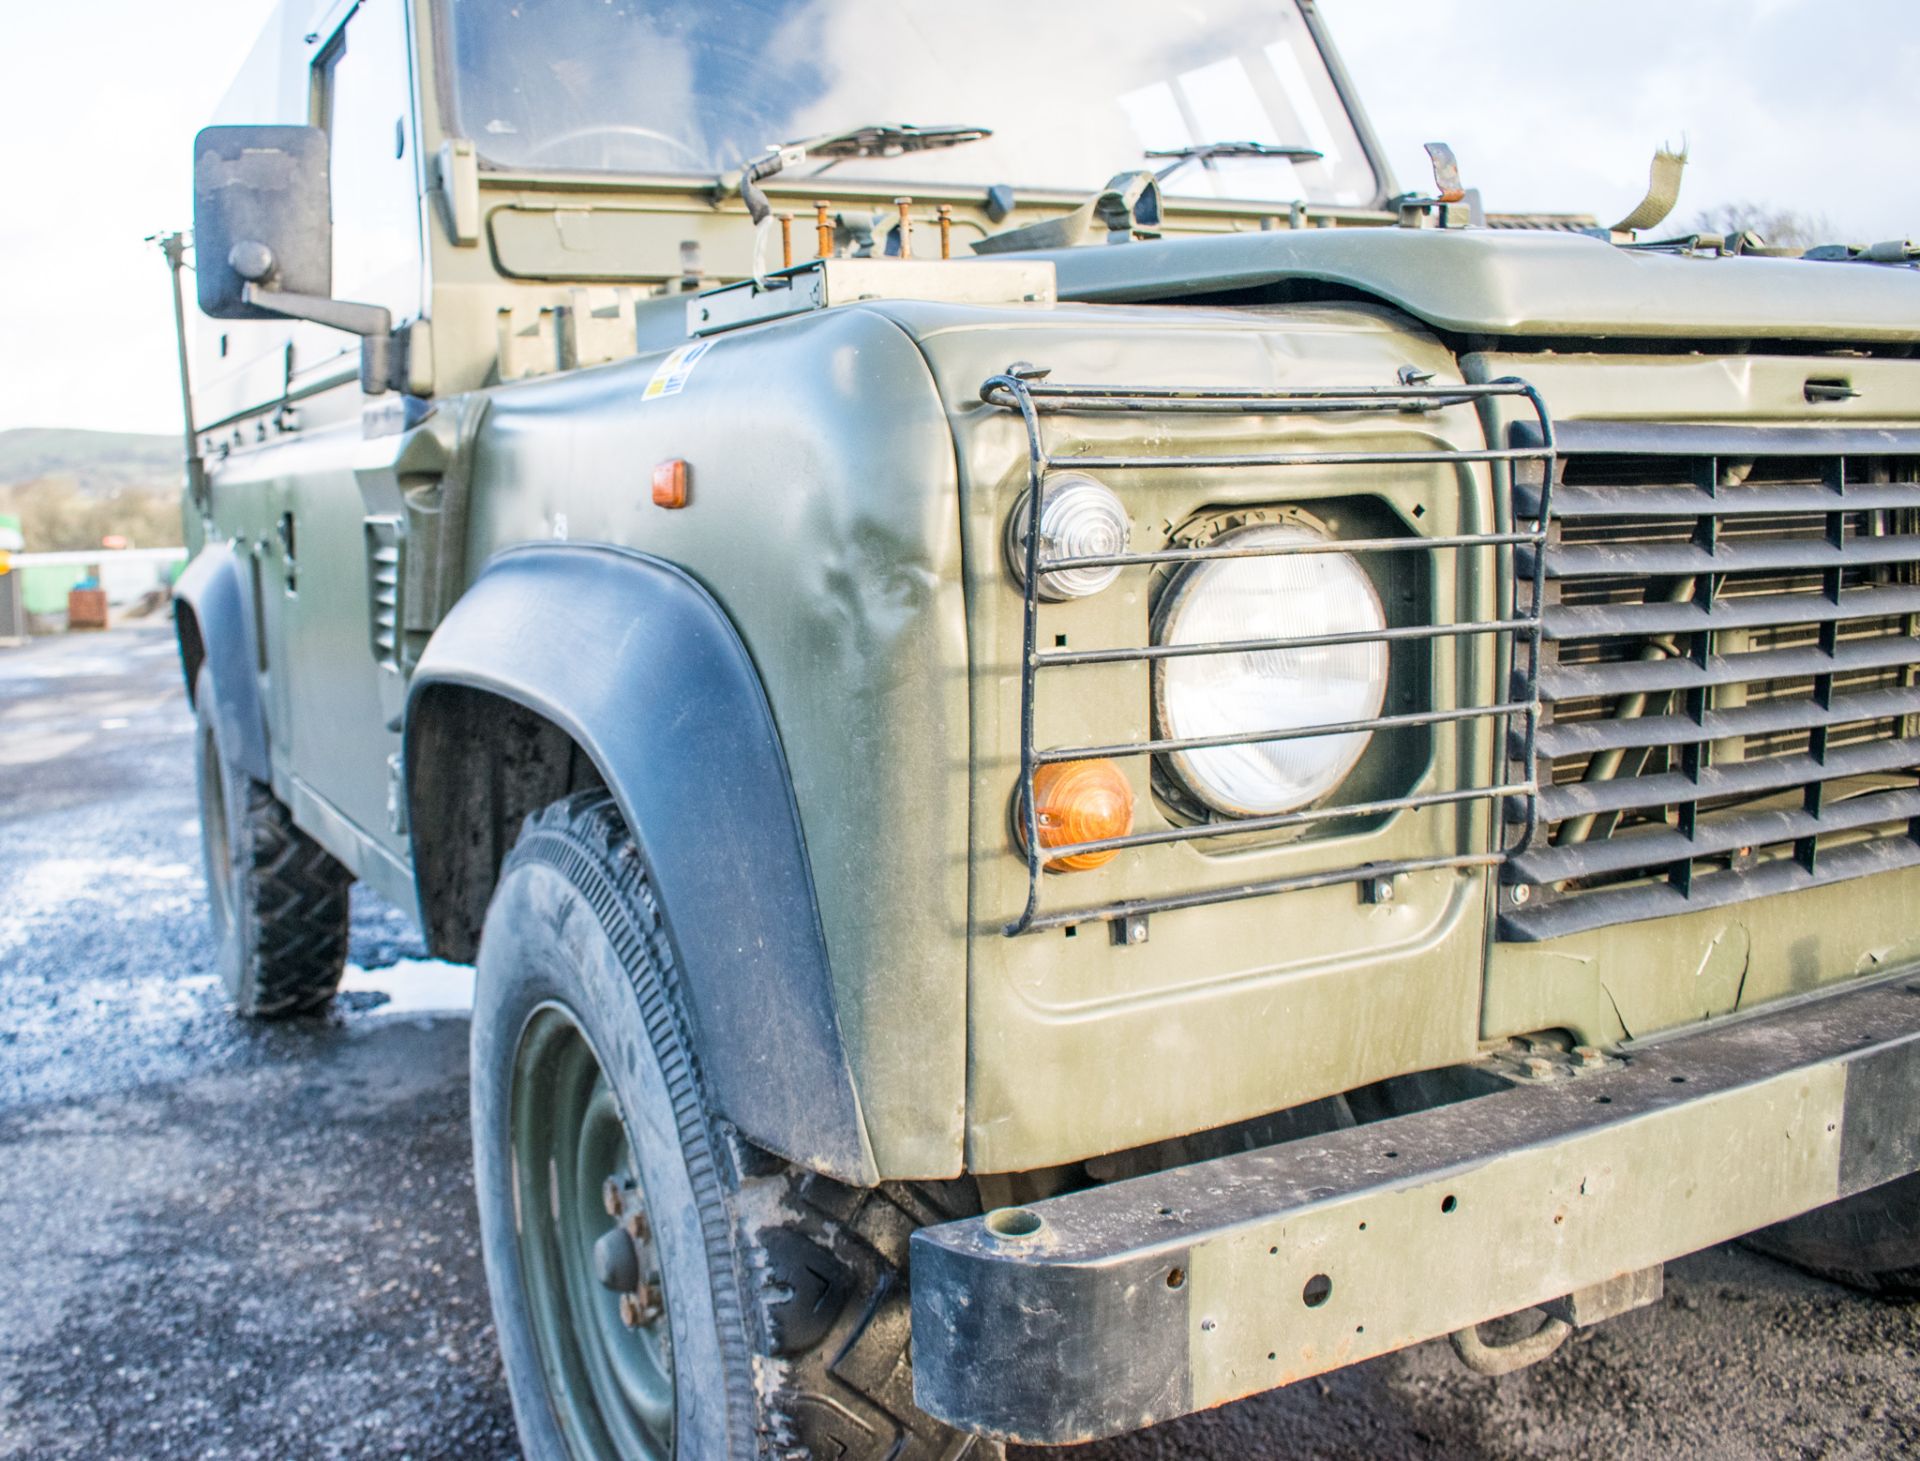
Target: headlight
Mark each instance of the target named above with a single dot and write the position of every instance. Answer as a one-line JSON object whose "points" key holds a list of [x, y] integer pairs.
{"points": [[1078, 519], [1288, 596]]}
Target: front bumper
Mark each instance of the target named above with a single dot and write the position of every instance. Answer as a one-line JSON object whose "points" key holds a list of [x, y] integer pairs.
{"points": [[1132, 1303]]}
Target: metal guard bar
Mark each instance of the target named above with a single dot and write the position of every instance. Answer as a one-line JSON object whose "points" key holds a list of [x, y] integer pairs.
{"points": [[1025, 389]]}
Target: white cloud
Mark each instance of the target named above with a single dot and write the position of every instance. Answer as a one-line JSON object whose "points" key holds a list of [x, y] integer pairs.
{"points": [[1794, 103]]}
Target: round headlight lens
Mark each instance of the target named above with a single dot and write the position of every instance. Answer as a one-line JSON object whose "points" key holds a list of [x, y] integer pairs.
{"points": [[1079, 518], [1289, 596]]}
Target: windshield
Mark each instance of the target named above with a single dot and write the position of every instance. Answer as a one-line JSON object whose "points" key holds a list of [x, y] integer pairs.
{"points": [[1073, 90]]}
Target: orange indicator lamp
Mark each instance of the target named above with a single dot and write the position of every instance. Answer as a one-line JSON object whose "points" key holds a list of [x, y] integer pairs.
{"points": [[1080, 801]]}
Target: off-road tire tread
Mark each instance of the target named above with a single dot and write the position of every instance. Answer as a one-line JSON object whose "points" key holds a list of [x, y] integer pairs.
{"points": [[584, 838], [850, 1392], [294, 895], [1868, 1241], [1891, 1283]]}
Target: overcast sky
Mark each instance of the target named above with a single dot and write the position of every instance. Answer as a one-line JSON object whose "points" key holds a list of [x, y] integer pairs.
{"points": [[1549, 104]]}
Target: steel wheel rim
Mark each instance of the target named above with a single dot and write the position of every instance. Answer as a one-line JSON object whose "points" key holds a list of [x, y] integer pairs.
{"points": [[609, 1379]]}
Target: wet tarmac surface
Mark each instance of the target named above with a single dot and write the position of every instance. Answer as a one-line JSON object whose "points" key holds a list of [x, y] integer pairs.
{"points": [[233, 1241]]}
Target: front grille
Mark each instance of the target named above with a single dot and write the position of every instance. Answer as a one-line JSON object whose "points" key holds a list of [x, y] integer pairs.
{"points": [[1731, 707]]}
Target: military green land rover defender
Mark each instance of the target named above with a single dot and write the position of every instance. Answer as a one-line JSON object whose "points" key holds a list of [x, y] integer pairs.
{"points": [[1092, 762]]}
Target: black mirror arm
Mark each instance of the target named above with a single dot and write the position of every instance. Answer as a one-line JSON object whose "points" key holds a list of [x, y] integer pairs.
{"points": [[372, 322], [339, 314]]}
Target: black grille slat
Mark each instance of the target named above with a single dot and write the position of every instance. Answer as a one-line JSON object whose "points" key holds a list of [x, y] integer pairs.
{"points": [[1732, 707], [1578, 738], [1629, 851], [1680, 560], [1651, 676], [1710, 890], [1758, 611], [1574, 504], [1740, 778]]}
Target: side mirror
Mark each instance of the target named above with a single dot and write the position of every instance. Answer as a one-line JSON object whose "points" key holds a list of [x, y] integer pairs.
{"points": [[262, 218], [263, 240]]}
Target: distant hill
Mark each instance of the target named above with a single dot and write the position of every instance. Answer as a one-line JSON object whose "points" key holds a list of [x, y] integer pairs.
{"points": [[97, 463]]}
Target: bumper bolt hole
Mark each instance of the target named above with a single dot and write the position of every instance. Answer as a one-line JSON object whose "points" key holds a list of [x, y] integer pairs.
{"points": [[1176, 1278], [1449, 1203], [1014, 1222]]}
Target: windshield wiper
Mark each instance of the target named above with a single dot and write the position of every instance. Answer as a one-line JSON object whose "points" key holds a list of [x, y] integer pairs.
{"points": [[874, 139], [1205, 152]]}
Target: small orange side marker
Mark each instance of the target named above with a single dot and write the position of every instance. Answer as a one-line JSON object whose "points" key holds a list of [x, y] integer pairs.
{"points": [[670, 484]]}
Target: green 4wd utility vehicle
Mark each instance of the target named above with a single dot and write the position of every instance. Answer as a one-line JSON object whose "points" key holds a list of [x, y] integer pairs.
{"points": [[1235, 768]]}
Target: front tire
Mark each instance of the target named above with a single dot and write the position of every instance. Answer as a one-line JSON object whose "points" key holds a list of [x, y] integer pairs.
{"points": [[772, 1302], [1870, 1241], [279, 899]]}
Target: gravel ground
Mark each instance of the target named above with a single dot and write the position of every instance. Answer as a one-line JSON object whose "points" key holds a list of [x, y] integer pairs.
{"points": [[224, 1241]]}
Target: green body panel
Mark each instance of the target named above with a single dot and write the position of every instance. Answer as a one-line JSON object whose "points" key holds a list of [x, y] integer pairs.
{"points": [[1078, 1047], [836, 554]]}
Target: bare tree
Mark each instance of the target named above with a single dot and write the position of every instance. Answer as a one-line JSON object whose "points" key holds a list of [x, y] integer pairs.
{"points": [[1780, 227]]}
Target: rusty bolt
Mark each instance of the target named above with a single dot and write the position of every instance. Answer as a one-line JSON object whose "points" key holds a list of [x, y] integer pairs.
{"points": [[610, 1195], [637, 1226], [1589, 1056], [905, 205], [1538, 1066], [641, 1308]]}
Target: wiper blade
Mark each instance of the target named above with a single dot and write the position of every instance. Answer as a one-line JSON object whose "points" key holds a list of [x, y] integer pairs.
{"points": [[873, 139], [1205, 152], [890, 140]]}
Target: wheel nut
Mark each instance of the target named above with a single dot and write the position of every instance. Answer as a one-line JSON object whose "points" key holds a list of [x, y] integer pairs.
{"points": [[615, 1263], [637, 1228], [630, 1310], [610, 1195]]}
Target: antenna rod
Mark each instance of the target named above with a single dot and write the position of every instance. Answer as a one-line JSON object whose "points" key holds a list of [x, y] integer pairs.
{"points": [[174, 246]]}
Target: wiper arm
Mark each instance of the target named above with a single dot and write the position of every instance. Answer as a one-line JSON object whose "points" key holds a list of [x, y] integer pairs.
{"points": [[877, 139], [1205, 152]]}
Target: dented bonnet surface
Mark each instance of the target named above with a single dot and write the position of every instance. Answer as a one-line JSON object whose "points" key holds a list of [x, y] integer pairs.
{"points": [[1515, 283]]}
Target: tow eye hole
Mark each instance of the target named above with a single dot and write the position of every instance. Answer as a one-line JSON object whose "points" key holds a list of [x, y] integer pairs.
{"points": [[1014, 1222], [1318, 1290]]}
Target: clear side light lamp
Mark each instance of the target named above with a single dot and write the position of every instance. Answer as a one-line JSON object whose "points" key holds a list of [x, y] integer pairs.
{"points": [[1079, 518]]}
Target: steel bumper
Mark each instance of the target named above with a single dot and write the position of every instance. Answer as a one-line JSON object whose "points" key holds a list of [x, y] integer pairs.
{"points": [[1128, 1304]]}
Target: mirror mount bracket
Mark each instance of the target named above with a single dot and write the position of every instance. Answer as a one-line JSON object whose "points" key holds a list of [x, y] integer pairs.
{"points": [[380, 355]]}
